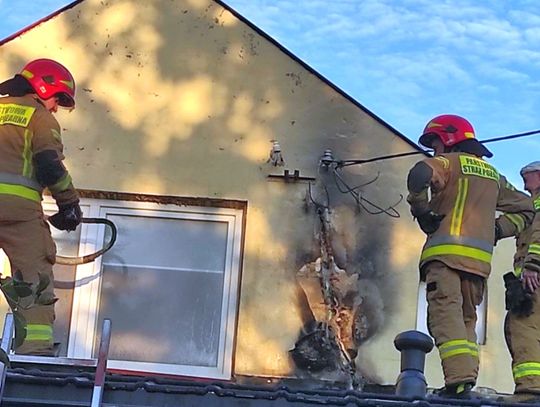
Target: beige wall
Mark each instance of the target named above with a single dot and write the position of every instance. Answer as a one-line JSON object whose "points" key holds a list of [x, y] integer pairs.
{"points": [[182, 98]]}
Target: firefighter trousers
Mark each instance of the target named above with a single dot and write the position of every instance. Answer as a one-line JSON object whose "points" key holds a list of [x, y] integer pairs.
{"points": [[452, 298], [31, 250], [522, 334]]}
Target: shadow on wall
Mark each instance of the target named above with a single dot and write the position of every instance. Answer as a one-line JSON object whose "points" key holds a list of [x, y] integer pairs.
{"points": [[181, 98]]}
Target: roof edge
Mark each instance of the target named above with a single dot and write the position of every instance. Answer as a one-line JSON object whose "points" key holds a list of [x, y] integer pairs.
{"points": [[320, 76], [38, 22], [266, 36]]}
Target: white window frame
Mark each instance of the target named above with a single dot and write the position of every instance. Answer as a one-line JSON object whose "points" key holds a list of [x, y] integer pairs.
{"points": [[86, 296], [421, 315]]}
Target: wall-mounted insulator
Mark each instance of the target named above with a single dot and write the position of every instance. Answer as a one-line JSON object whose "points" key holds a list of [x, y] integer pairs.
{"points": [[276, 158], [327, 158], [414, 346]]}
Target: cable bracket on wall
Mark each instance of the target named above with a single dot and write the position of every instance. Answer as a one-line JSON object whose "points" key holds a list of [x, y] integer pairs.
{"points": [[287, 176]]}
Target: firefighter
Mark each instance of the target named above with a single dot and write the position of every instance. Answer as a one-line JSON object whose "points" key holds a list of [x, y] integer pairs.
{"points": [[31, 154], [522, 323], [459, 221]]}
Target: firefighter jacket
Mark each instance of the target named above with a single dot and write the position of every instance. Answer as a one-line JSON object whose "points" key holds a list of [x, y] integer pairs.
{"points": [[31, 154], [468, 191], [528, 243]]}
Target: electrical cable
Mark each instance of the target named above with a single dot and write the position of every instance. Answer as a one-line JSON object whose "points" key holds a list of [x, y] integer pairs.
{"points": [[346, 163]]}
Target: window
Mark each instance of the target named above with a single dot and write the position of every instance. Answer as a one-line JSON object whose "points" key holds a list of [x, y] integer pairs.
{"points": [[169, 286], [421, 316]]}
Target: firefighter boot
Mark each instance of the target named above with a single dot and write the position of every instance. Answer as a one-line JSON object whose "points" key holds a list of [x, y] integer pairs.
{"points": [[457, 391]]}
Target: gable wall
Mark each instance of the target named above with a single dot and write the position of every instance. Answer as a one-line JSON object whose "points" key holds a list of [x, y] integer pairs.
{"points": [[182, 98]]}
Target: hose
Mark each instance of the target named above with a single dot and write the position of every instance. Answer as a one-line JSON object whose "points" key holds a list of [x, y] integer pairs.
{"points": [[75, 261]]}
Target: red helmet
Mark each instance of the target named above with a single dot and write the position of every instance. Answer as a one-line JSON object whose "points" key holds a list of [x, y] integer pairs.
{"points": [[50, 78], [450, 129]]}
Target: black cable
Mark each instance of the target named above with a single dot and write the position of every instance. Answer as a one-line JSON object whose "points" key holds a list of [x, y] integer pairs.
{"points": [[512, 136], [346, 163]]}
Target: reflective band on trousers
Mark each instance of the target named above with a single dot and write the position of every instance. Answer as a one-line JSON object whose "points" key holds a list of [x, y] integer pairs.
{"points": [[39, 332], [19, 190], [456, 250], [526, 369], [458, 347]]}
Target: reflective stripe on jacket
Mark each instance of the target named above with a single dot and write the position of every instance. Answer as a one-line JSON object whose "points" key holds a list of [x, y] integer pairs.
{"points": [[27, 128], [527, 254], [468, 191]]}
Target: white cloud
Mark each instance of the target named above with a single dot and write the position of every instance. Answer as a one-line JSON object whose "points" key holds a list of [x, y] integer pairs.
{"points": [[416, 58]]}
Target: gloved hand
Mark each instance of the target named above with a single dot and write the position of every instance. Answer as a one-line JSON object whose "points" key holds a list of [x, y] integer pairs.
{"points": [[518, 300], [67, 217], [530, 280], [498, 233], [429, 221]]}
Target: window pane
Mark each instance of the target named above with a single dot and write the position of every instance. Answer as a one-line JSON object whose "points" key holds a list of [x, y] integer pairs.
{"points": [[162, 287], [168, 242]]}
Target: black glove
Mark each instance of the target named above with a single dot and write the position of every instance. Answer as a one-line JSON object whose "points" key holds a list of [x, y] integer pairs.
{"points": [[518, 300], [67, 218], [429, 221], [498, 233]]}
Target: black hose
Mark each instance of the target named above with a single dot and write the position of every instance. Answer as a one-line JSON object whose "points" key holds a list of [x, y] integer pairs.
{"points": [[75, 261]]}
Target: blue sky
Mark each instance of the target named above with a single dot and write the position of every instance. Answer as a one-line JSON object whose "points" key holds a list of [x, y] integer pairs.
{"points": [[406, 60]]}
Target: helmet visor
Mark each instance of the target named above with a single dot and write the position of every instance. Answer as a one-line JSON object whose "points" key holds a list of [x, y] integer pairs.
{"points": [[426, 139], [65, 100]]}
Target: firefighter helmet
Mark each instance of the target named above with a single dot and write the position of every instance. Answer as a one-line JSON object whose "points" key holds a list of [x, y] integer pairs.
{"points": [[532, 167], [49, 78], [452, 129]]}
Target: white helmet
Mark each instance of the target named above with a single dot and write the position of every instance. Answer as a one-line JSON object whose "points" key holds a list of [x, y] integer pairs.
{"points": [[532, 167]]}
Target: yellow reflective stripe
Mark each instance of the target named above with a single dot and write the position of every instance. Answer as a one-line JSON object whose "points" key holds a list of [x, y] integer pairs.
{"points": [[69, 84], [27, 154], [445, 161], [456, 250], [27, 74], [537, 204], [458, 347], [459, 207], [509, 186], [56, 135], [62, 184], [38, 332], [20, 190], [517, 271], [534, 248], [516, 220], [474, 348], [526, 369]]}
